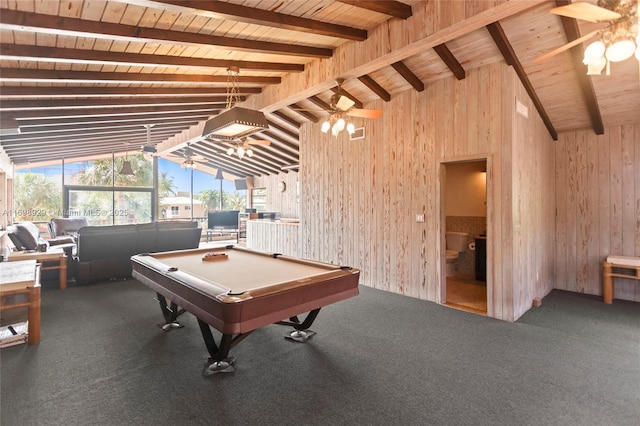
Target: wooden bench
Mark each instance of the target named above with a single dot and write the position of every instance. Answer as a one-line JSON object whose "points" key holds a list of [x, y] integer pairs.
{"points": [[618, 267]]}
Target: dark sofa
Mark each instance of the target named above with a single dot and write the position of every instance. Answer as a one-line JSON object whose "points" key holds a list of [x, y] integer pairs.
{"points": [[104, 252]]}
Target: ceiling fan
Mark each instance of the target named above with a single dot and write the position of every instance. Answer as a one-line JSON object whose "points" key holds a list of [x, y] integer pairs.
{"points": [[341, 103], [341, 106], [617, 40], [242, 147], [189, 157]]}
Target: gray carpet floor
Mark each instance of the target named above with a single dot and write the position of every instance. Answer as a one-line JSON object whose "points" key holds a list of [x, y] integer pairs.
{"points": [[378, 359]]}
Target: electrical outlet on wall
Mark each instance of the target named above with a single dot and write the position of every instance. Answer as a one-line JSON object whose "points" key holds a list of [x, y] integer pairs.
{"points": [[420, 217]]}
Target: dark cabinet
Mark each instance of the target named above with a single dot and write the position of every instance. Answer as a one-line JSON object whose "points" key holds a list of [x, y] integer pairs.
{"points": [[481, 259]]}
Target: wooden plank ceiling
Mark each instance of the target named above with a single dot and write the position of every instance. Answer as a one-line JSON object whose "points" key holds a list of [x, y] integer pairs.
{"points": [[87, 78]]}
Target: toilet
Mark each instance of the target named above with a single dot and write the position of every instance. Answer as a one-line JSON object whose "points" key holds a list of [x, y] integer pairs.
{"points": [[456, 243]]}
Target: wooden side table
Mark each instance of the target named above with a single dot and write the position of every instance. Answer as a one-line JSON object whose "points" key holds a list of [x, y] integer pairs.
{"points": [[618, 267], [54, 255], [22, 278]]}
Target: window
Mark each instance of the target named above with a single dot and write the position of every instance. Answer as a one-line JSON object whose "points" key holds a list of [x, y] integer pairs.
{"points": [[175, 210], [96, 190], [259, 199]]}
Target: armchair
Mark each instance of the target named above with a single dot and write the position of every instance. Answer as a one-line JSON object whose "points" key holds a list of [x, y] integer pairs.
{"points": [[66, 226], [26, 236]]}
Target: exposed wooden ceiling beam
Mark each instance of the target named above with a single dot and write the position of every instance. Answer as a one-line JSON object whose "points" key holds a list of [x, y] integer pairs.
{"points": [[134, 142], [320, 103], [35, 158], [54, 124], [282, 116], [23, 92], [219, 101], [408, 75], [286, 133], [85, 56], [49, 24], [287, 150], [300, 110], [59, 76], [217, 156], [115, 144], [110, 111], [277, 157], [218, 160], [500, 38], [586, 85], [388, 7], [10, 124], [375, 87], [90, 132], [450, 61], [250, 15]]}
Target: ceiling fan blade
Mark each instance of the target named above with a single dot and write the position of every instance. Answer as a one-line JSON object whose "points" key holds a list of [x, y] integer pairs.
{"points": [[565, 47], [586, 12], [365, 113], [344, 103], [258, 142]]}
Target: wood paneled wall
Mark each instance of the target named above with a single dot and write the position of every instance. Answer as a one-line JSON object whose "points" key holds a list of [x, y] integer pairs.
{"points": [[287, 202], [598, 203], [274, 237], [360, 197], [533, 206]]}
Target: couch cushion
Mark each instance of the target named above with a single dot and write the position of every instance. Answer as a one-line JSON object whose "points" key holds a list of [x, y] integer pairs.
{"points": [[176, 224], [28, 234]]}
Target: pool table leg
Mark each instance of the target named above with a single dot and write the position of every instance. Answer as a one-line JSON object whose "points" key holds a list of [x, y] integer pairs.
{"points": [[219, 361], [301, 332], [170, 313]]}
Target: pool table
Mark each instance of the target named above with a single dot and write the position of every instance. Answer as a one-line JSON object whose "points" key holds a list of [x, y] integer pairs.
{"points": [[236, 291]]}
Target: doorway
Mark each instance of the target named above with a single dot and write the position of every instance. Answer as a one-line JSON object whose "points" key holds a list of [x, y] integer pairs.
{"points": [[464, 224]]}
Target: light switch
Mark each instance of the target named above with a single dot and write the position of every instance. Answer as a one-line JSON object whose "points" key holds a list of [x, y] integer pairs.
{"points": [[420, 218]]}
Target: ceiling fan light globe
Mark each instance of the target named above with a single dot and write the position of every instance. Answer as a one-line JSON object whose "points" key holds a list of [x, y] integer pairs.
{"points": [[594, 51], [351, 128], [620, 50], [340, 124], [249, 153], [325, 127], [240, 152], [230, 151], [596, 68]]}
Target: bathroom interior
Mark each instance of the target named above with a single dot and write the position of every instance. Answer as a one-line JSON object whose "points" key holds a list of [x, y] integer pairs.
{"points": [[465, 236]]}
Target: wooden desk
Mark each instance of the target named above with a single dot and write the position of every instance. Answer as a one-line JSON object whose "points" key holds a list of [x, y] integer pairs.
{"points": [[618, 267], [22, 278], [53, 255]]}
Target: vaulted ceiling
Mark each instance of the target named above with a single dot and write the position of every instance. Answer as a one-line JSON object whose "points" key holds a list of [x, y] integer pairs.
{"points": [[88, 78]]}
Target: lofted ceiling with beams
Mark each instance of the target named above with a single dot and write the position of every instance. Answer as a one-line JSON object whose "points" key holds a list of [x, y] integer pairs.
{"points": [[87, 78]]}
